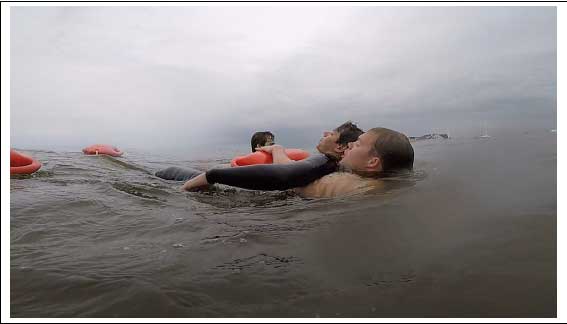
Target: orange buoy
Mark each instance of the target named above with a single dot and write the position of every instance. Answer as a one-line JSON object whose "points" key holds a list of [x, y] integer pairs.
{"points": [[261, 157], [22, 164], [102, 149]]}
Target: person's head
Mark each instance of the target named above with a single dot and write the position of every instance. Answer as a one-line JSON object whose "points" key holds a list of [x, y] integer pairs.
{"points": [[261, 139], [379, 150], [335, 142]]}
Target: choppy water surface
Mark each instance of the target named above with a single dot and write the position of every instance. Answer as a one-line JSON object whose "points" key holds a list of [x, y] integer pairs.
{"points": [[472, 234]]}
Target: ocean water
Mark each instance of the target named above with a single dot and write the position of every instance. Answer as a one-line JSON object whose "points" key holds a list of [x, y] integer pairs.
{"points": [[472, 234]]}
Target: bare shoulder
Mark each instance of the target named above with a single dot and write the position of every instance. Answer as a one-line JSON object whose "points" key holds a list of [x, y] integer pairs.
{"points": [[333, 185]]}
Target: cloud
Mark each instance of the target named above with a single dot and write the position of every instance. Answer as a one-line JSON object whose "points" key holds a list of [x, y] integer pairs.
{"points": [[195, 76]]}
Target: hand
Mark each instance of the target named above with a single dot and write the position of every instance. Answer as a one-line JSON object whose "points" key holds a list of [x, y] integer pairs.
{"points": [[270, 149], [195, 183], [277, 152]]}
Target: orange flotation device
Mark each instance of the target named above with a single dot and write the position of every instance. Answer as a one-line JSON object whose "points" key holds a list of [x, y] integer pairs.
{"points": [[22, 164], [261, 157], [102, 149]]}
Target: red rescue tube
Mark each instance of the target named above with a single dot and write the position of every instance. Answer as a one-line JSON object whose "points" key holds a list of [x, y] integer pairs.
{"points": [[102, 149], [22, 164], [261, 157]]}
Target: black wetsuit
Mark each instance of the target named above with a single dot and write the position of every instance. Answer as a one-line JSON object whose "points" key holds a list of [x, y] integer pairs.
{"points": [[178, 174], [262, 176]]}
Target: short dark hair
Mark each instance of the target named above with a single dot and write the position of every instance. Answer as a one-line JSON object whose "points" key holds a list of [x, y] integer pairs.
{"points": [[393, 148], [260, 138], [348, 132]]}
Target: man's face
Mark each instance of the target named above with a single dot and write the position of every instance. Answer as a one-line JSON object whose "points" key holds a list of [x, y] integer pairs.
{"points": [[328, 143], [360, 154]]}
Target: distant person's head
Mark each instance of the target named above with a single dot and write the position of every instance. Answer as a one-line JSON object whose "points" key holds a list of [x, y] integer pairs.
{"points": [[260, 139], [379, 150], [335, 142]]}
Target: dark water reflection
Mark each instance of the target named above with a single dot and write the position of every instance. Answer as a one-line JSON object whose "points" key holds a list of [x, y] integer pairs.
{"points": [[473, 233]]}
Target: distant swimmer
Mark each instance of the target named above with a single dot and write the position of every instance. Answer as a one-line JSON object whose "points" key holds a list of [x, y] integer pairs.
{"points": [[260, 139]]}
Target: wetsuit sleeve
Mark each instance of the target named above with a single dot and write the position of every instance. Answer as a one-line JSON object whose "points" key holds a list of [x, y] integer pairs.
{"points": [[178, 174], [274, 176]]}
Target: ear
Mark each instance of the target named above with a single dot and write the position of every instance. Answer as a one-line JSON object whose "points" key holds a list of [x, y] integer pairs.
{"points": [[374, 163]]}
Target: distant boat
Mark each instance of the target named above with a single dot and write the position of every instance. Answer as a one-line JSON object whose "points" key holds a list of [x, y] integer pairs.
{"points": [[484, 132], [553, 130]]}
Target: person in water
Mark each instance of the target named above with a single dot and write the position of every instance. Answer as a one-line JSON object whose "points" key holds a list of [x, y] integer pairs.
{"points": [[376, 153], [333, 144], [260, 139]]}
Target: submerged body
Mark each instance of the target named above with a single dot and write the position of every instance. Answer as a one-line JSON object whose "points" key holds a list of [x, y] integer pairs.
{"points": [[339, 184]]}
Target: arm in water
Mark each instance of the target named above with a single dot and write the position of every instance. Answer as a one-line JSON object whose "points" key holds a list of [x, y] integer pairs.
{"points": [[267, 176]]}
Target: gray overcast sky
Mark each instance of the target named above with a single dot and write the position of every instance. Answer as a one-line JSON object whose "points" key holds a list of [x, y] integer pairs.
{"points": [[171, 77]]}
